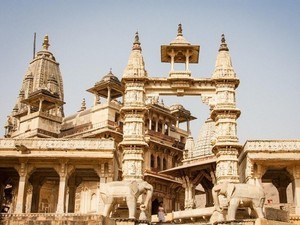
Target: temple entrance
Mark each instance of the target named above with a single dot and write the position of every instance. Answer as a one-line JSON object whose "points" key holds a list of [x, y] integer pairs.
{"points": [[278, 186], [83, 194], [154, 206], [42, 191], [9, 179]]}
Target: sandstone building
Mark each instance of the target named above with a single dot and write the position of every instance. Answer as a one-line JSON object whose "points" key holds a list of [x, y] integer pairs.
{"points": [[54, 164]]}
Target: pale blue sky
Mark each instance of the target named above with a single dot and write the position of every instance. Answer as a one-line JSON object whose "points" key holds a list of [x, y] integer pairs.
{"points": [[89, 37]]}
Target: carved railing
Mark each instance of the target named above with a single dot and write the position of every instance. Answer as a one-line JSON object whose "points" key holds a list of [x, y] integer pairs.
{"points": [[161, 136], [89, 126]]}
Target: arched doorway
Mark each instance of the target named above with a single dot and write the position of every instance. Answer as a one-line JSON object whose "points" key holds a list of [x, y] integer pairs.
{"points": [[280, 180], [154, 206], [9, 179]]}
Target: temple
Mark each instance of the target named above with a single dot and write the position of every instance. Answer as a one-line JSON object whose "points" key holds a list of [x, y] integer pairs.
{"points": [[53, 168]]}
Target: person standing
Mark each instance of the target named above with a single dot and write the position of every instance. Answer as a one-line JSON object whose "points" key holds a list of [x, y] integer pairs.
{"points": [[161, 213]]}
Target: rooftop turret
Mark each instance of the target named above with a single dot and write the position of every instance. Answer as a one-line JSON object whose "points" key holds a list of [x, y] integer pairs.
{"points": [[180, 51]]}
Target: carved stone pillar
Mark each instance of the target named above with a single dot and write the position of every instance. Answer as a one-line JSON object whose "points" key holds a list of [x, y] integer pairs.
{"points": [[62, 188], [249, 172], [36, 187], [296, 174], [156, 125], [150, 123], [281, 185], [189, 190], [28, 199], [22, 187], [209, 199], [2, 185], [72, 192], [133, 112], [108, 94], [225, 114]]}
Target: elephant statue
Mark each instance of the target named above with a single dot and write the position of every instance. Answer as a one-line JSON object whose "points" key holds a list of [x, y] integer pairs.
{"points": [[117, 191], [237, 194]]}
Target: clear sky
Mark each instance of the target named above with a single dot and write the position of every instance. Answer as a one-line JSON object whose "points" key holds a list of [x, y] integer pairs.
{"points": [[89, 37]]}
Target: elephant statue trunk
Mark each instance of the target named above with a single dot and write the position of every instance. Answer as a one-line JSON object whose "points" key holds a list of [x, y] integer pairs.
{"points": [[148, 196]]}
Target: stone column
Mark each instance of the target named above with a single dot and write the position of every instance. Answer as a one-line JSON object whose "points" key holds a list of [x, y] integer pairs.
{"points": [[189, 193], [150, 123], [36, 187], [108, 94], [41, 104], [156, 125], [2, 186], [177, 122], [172, 55], [133, 111], [96, 99], [22, 187], [187, 59], [296, 173], [281, 185], [188, 126], [225, 113], [163, 128], [62, 188], [28, 200], [72, 192]]}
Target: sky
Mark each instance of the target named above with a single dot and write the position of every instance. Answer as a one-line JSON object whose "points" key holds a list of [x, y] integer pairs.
{"points": [[90, 37]]}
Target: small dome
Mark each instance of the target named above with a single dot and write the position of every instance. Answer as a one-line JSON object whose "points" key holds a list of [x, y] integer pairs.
{"points": [[110, 77], [176, 107], [180, 40]]}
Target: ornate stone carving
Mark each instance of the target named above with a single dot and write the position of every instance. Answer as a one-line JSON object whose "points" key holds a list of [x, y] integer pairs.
{"points": [[238, 195], [129, 191], [103, 144]]}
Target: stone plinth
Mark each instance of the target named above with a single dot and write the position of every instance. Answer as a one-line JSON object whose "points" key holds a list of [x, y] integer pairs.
{"points": [[253, 222], [131, 222], [53, 219]]}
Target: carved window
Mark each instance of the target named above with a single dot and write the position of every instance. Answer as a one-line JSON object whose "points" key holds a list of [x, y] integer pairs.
{"points": [[158, 163], [164, 164], [152, 161]]}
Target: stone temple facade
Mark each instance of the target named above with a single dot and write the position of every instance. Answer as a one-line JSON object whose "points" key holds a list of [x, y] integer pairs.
{"points": [[53, 166]]}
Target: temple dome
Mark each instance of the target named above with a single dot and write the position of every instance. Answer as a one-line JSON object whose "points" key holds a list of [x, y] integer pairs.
{"points": [[110, 77], [176, 106], [203, 145]]}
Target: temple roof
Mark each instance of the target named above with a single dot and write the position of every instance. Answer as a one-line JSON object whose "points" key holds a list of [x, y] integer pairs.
{"points": [[42, 74]]}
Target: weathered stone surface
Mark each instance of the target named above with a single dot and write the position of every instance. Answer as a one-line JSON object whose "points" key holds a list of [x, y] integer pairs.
{"points": [[277, 214]]}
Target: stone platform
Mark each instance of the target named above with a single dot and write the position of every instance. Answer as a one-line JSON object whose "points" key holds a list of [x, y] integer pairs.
{"points": [[53, 219]]}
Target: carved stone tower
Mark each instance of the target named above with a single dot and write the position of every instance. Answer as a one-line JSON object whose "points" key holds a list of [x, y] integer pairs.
{"points": [[225, 115], [133, 111], [39, 108]]}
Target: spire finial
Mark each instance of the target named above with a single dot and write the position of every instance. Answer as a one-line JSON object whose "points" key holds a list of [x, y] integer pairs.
{"points": [[46, 42], [179, 30], [110, 70], [223, 45], [83, 105], [136, 43]]}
